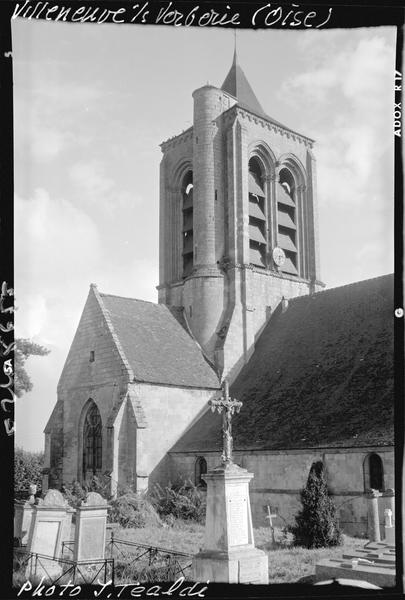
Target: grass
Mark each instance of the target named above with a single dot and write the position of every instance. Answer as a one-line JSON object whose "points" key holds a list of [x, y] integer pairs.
{"points": [[287, 564]]}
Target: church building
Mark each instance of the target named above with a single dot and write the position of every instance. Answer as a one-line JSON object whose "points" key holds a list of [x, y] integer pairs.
{"points": [[241, 298]]}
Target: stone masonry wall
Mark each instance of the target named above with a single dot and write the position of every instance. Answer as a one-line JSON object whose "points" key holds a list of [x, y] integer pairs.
{"points": [[279, 477], [169, 412], [104, 380]]}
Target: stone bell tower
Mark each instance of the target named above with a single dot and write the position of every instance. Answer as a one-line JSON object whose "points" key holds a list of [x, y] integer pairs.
{"points": [[238, 221]]}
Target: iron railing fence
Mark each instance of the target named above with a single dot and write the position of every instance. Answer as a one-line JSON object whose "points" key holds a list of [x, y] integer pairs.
{"points": [[60, 570], [144, 562], [128, 561]]}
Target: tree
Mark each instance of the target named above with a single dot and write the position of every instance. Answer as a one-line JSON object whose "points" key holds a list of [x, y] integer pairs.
{"points": [[27, 470], [23, 349], [316, 524]]}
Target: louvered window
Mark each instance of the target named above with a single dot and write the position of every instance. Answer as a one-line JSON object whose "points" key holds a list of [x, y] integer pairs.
{"points": [[187, 231], [257, 215], [287, 222]]}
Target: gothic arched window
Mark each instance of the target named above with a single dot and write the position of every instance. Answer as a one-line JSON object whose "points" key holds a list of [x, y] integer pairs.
{"points": [[287, 221], [373, 472], [257, 214], [187, 231], [92, 441], [200, 469]]}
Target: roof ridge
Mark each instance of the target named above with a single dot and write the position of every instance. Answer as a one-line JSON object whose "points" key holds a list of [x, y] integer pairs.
{"points": [[129, 298]]}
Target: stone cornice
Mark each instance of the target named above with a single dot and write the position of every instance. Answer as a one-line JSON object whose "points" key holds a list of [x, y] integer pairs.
{"points": [[268, 124], [182, 137]]}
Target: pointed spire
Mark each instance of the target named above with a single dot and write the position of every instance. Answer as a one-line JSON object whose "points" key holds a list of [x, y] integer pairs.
{"points": [[238, 86], [235, 57]]}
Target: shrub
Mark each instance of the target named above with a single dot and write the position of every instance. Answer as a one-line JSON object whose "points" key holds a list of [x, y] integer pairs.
{"points": [[316, 524], [76, 492], [133, 510], [181, 501], [27, 469]]}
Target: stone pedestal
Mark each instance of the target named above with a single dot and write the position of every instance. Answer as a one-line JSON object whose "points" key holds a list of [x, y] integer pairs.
{"points": [[373, 531], [229, 554]]}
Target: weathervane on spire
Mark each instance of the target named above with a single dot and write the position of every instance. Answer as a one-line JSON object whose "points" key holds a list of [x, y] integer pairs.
{"points": [[234, 48], [227, 407]]}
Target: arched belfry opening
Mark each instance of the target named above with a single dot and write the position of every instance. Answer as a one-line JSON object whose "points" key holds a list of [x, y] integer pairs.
{"points": [[287, 221], [257, 214], [187, 231], [92, 442]]}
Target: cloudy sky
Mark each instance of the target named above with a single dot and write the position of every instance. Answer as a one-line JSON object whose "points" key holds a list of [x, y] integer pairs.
{"points": [[93, 102]]}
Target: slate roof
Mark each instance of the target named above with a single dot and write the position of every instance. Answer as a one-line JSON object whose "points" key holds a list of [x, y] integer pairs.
{"points": [[156, 345], [238, 86], [321, 375]]}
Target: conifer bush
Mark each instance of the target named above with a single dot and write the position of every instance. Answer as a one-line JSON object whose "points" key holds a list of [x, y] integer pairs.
{"points": [[316, 524]]}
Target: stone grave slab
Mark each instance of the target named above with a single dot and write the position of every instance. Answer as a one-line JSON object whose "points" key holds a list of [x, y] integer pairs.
{"points": [[382, 576], [373, 562]]}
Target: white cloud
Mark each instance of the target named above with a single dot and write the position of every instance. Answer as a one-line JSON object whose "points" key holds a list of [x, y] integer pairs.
{"points": [[56, 244], [348, 97], [90, 178]]}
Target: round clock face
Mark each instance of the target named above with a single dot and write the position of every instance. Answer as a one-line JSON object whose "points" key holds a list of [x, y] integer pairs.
{"points": [[278, 256]]}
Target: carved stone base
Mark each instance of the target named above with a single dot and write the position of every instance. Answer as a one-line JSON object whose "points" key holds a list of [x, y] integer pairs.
{"points": [[245, 565]]}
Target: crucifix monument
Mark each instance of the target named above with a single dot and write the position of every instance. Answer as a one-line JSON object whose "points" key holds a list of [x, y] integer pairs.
{"points": [[227, 407], [229, 554]]}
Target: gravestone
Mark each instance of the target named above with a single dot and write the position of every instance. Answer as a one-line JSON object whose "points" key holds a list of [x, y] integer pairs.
{"points": [[22, 516], [50, 525], [229, 554], [90, 530]]}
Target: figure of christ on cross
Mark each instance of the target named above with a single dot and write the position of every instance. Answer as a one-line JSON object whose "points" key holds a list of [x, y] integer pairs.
{"points": [[227, 407]]}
